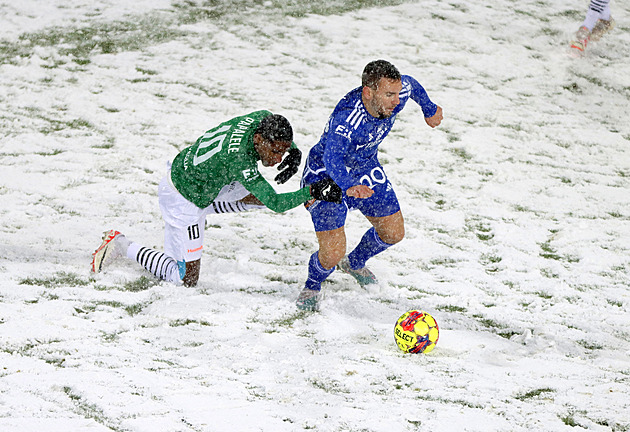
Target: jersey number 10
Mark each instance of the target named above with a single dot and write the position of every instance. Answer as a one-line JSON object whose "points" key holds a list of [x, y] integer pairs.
{"points": [[212, 141]]}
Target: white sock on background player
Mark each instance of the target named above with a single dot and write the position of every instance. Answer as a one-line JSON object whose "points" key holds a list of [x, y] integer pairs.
{"points": [[598, 9]]}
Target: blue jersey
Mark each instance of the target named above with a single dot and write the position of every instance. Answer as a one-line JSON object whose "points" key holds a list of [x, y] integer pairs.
{"points": [[349, 145]]}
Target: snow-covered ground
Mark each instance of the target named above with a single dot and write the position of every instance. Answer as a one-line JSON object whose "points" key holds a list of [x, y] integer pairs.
{"points": [[517, 212]]}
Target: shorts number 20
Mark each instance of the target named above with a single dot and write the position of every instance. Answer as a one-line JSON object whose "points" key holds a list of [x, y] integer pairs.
{"points": [[377, 175]]}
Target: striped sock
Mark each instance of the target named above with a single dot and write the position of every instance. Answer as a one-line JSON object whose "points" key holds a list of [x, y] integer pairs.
{"points": [[157, 263], [598, 9], [218, 207]]}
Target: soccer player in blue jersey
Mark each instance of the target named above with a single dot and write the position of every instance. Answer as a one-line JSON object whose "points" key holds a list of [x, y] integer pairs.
{"points": [[347, 153]]}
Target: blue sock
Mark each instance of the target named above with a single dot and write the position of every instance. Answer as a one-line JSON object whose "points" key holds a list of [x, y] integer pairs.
{"points": [[370, 245], [316, 273]]}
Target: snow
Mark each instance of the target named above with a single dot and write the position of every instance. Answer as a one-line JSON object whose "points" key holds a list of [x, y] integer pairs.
{"points": [[516, 211]]}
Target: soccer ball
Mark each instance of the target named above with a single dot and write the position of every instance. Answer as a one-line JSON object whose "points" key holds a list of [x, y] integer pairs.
{"points": [[416, 332]]}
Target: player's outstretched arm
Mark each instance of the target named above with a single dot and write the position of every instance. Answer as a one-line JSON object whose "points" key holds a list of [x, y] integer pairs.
{"points": [[436, 119]]}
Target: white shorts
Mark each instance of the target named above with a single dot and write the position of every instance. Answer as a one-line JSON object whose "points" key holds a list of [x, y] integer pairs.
{"points": [[184, 222]]}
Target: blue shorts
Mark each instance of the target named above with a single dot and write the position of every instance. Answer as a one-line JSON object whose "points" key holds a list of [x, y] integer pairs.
{"points": [[328, 216]]}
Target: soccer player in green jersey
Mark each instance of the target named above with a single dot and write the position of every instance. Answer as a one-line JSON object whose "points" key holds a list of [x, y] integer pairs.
{"points": [[218, 174]]}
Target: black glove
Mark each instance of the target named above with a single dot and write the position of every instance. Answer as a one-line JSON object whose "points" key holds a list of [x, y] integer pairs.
{"points": [[290, 165], [326, 190]]}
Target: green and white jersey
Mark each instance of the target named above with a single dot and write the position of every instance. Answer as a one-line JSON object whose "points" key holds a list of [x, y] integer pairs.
{"points": [[226, 154]]}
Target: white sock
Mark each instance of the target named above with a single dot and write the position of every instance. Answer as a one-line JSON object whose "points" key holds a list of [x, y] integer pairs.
{"points": [[123, 243], [156, 262], [218, 207]]}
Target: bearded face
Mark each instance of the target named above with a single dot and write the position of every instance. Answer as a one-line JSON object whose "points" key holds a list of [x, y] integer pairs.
{"points": [[381, 101]]}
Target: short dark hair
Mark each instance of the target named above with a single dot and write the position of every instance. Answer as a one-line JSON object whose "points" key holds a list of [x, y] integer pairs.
{"points": [[275, 128], [377, 69]]}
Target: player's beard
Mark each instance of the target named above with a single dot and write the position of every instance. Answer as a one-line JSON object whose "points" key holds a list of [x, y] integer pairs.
{"points": [[383, 115]]}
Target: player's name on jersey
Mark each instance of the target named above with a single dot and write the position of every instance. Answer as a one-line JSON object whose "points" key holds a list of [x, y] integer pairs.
{"points": [[237, 134]]}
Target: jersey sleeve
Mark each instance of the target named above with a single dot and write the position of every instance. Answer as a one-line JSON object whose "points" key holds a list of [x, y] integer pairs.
{"points": [[337, 143], [420, 96], [261, 189]]}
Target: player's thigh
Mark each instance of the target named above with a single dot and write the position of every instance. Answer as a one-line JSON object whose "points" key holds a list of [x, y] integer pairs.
{"points": [[382, 209], [391, 229], [327, 216], [184, 244], [184, 225]]}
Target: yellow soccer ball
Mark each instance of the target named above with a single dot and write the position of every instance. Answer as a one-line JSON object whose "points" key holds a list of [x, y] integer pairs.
{"points": [[416, 332]]}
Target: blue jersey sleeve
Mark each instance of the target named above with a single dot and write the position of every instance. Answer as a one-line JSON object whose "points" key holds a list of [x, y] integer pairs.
{"points": [[420, 96], [338, 141]]}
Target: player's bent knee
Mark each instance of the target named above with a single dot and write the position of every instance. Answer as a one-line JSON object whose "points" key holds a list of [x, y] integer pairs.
{"points": [[398, 236], [329, 259], [392, 236]]}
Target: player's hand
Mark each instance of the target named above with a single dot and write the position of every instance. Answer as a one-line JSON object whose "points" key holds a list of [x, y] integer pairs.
{"points": [[436, 119], [327, 190], [360, 191], [289, 166]]}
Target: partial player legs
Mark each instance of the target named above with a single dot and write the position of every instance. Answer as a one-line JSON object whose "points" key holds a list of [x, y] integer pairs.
{"points": [[116, 245], [310, 297], [385, 232], [597, 22], [332, 247]]}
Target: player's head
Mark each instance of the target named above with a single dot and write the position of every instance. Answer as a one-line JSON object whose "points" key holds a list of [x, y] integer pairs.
{"points": [[272, 139], [275, 128], [377, 69], [382, 83]]}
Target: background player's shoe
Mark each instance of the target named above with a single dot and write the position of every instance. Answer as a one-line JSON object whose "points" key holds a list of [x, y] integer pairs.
{"points": [[113, 246], [363, 275], [308, 300], [601, 28], [581, 39]]}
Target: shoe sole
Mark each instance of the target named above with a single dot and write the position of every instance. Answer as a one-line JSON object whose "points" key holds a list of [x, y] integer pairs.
{"points": [[101, 254]]}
